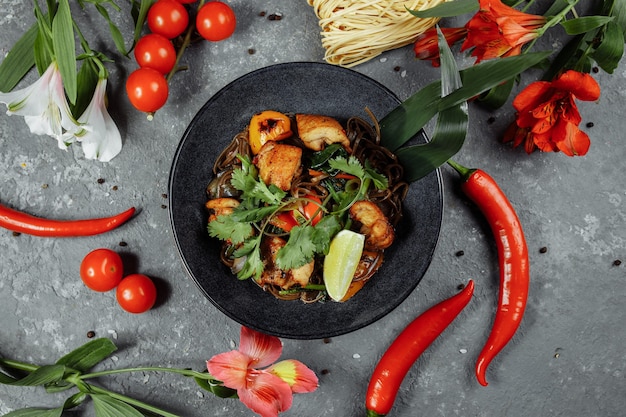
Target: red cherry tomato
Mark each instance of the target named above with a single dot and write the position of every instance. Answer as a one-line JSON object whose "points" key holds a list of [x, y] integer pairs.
{"points": [[101, 269], [186, 1], [155, 51], [215, 21], [168, 18], [136, 293], [147, 89]]}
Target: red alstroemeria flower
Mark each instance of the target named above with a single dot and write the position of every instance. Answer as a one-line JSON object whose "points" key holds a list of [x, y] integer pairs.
{"points": [[264, 388], [427, 47], [547, 116], [496, 30]]}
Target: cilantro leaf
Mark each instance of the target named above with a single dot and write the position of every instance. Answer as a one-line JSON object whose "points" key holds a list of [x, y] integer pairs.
{"points": [[324, 231], [254, 191], [253, 215], [349, 166], [226, 227], [299, 249], [253, 267], [380, 181]]}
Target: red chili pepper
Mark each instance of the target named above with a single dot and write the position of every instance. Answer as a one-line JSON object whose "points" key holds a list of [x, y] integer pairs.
{"points": [[513, 257], [18, 221], [408, 346]]}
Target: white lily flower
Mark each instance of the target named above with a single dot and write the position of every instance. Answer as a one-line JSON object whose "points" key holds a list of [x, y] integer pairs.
{"points": [[44, 107], [100, 139]]}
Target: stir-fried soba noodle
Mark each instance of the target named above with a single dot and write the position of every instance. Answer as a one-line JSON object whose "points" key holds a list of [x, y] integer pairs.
{"points": [[311, 194]]}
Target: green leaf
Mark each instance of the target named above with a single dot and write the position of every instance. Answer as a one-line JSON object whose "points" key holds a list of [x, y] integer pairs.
{"points": [[448, 9], [450, 132], [488, 74], [567, 54], [610, 51], [253, 266], [88, 355], [498, 95], [117, 36], [140, 14], [75, 400], [451, 128], [64, 46], [406, 120], [299, 249], [324, 230], [619, 12], [86, 80], [36, 412], [226, 227], [216, 387], [41, 53], [43, 375], [584, 24], [18, 61], [106, 406]]}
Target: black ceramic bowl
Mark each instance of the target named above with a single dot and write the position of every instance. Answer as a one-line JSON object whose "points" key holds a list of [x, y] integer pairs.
{"points": [[301, 87]]}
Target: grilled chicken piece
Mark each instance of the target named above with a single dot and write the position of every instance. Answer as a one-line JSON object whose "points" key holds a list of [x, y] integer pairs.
{"points": [[278, 164], [317, 131], [375, 226], [272, 275], [220, 206]]}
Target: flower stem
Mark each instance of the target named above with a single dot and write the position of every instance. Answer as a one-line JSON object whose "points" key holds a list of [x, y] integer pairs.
{"points": [[555, 20], [186, 41], [185, 372]]}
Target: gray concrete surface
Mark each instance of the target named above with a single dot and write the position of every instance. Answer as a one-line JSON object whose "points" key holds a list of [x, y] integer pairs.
{"points": [[567, 359]]}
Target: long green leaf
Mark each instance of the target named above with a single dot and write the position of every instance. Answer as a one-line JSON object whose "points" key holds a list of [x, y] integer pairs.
{"points": [[498, 95], [18, 61], [88, 355], [479, 78], [619, 12], [106, 406], [448, 9], [140, 18], [451, 128], [610, 51], [64, 46], [117, 36], [36, 412], [406, 120], [43, 375], [450, 132], [584, 24]]}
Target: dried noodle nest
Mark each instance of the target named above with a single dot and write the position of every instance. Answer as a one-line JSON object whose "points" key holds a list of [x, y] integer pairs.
{"points": [[355, 31]]}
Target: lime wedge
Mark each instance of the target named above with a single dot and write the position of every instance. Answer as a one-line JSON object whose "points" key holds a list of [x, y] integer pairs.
{"points": [[341, 262]]}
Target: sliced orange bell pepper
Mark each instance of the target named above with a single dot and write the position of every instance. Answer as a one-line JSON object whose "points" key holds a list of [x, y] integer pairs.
{"points": [[268, 125]]}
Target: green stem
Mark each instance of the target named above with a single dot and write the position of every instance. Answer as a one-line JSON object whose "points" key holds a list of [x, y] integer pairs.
{"points": [[463, 171], [555, 20], [185, 372], [186, 41]]}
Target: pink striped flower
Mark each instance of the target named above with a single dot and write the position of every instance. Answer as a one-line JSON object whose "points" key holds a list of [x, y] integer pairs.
{"points": [[262, 385]]}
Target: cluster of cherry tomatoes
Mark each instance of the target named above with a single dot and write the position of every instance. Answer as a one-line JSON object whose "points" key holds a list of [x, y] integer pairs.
{"points": [[102, 270], [147, 87]]}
